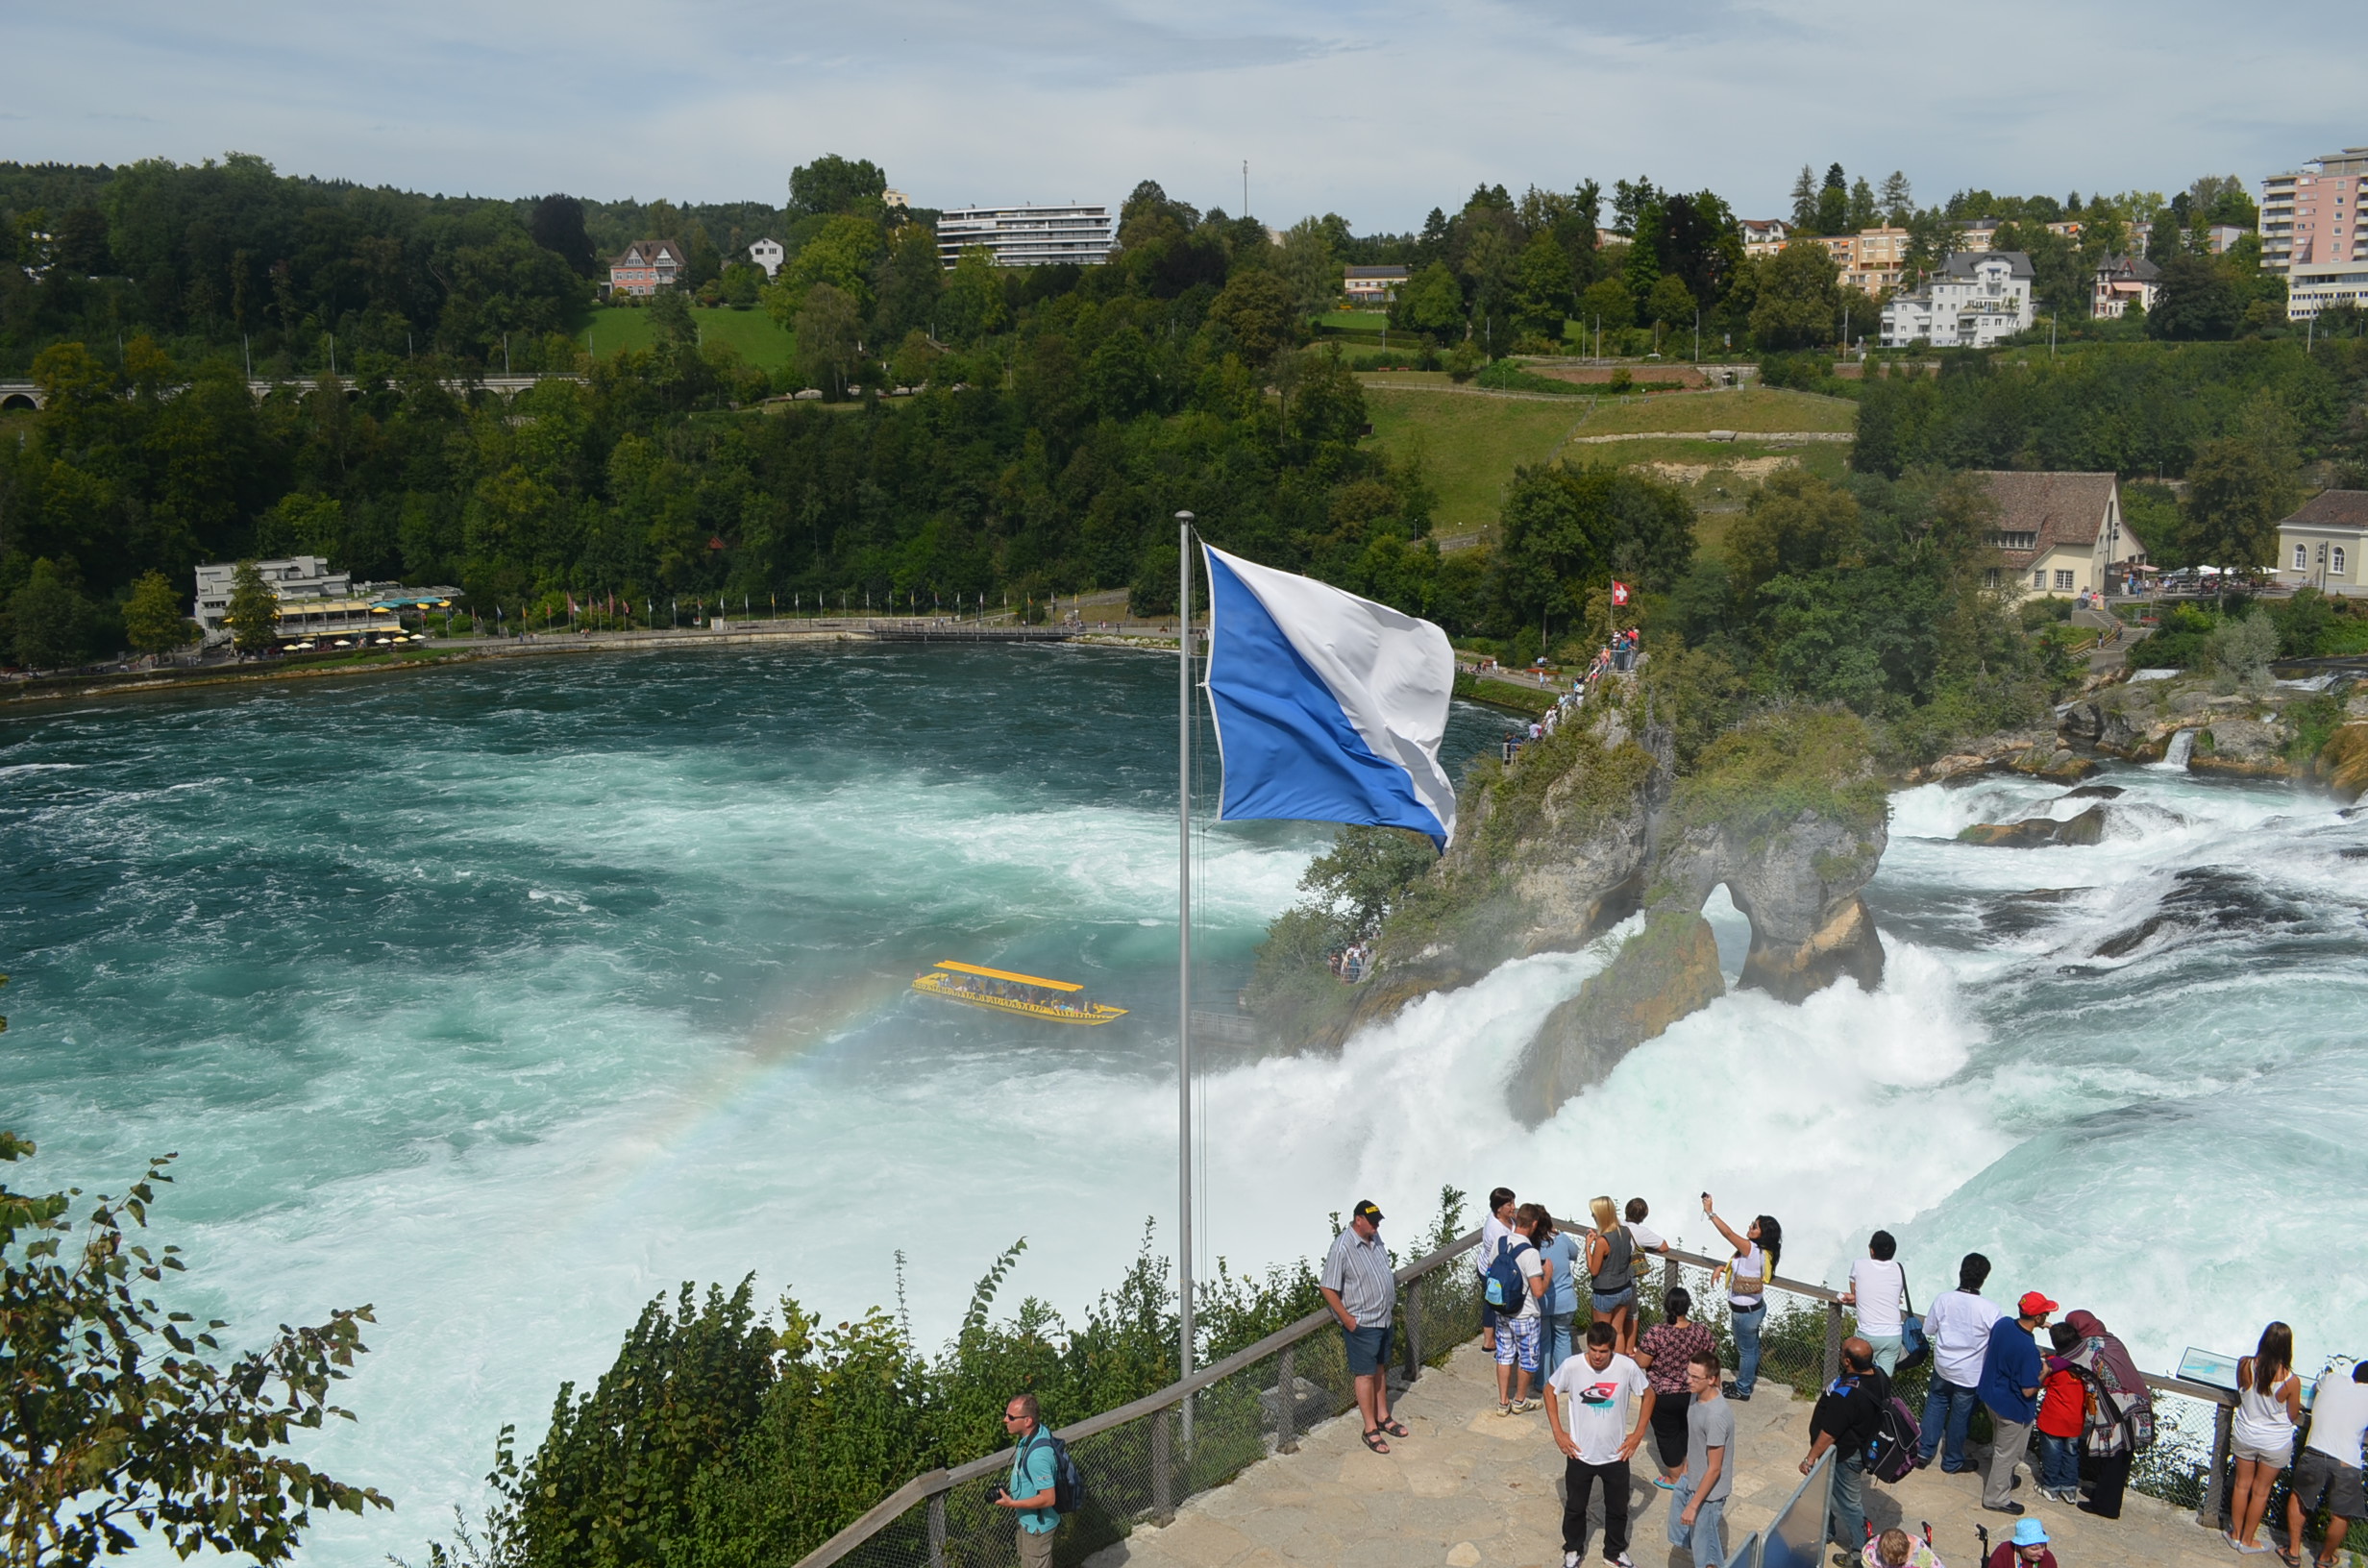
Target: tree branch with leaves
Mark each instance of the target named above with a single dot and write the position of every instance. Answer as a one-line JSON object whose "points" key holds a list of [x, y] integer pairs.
{"points": [[120, 1418]]}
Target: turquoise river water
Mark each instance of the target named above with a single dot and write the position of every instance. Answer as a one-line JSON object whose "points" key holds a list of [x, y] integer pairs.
{"points": [[508, 996]]}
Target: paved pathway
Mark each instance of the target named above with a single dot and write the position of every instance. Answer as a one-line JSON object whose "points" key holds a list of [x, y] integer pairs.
{"points": [[1471, 1488], [1776, 436]]}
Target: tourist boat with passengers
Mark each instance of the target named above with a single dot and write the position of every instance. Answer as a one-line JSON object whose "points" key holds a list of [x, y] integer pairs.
{"points": [[1056, 1002]]}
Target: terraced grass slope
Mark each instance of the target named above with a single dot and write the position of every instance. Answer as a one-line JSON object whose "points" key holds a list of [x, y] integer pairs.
{"points": [[761, 342], [1471, 441]]}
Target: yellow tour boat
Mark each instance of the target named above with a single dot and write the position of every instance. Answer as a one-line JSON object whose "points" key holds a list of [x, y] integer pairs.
{"points": [[1057, 1001]]}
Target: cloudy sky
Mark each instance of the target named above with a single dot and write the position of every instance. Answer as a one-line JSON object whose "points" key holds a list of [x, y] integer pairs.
{"points": [[1374, 109]]}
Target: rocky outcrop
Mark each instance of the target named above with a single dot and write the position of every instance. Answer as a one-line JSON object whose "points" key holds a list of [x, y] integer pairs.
{"points": [[2240, 748], [2103, 725], [2034, 832], [1593, 823], [1666, 971], [1798, 882], [2342, 763], [1786, 816], [2059, 763], [1548, 855]]}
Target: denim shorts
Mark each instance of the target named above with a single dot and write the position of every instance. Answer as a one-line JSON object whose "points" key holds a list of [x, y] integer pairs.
{"points": [[1615, 1301], [1368, 1349]]}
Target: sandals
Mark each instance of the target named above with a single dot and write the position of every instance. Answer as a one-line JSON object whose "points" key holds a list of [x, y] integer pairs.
{"points": [[1372, 1441], [1394, 1426]]}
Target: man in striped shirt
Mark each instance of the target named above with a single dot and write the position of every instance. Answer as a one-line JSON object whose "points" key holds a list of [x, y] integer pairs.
{"points": [[1361, 1290]]}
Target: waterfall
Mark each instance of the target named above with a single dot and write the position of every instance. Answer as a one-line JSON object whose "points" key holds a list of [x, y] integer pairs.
{"points": [[2182, 746]]}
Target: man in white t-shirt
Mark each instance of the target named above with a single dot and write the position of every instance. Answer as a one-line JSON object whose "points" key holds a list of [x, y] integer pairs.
{"points": [[1598, 1388], [1492, 1232], [1957, 1323], [1877, 1285], [2326, 1472], [1645, 1238]]}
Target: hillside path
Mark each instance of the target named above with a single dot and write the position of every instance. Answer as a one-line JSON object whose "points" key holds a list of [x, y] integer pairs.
{"points": [[1473, 1489]]}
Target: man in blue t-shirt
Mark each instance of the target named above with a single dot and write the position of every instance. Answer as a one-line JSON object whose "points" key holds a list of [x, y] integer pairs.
{"points": [[1030, 1492], [2009, 1387]]}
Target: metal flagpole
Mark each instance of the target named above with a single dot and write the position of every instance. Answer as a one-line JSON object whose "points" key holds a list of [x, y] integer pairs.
{"points": [[1184, 950]]}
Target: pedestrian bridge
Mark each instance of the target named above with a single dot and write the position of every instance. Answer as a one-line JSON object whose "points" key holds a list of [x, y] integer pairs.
{"points": [[16, 395]]}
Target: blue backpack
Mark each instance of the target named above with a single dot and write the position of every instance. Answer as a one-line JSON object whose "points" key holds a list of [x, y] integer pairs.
{"points": [[1068, 1481], [1504, 1287]]}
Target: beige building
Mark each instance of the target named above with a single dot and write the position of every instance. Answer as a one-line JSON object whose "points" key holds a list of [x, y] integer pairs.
{"points": [[1869, 260], [2320, 545], [2060, 534]]}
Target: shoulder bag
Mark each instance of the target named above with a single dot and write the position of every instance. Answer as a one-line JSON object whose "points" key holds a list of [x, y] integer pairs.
{"points": [[1913, 1343]]}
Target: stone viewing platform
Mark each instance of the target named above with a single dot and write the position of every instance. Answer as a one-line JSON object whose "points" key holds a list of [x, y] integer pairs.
{"points": [[1471, 1489]]}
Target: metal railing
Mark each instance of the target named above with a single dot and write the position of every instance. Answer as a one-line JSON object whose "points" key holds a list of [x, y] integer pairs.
{"points": [[1143, 1461], [2189, 1464]]}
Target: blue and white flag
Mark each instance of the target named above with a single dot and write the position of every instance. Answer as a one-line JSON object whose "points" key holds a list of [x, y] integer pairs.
{"points": [[1329, 707]]}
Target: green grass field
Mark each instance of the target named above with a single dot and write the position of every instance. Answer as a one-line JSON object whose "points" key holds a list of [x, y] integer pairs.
{"points": [[1469, 444], [761, 343], [1738, 409]]}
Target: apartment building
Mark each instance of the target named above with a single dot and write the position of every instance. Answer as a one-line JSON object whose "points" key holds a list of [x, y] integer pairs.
{"points": [[2310, 217], [1026, 235], [1971, 302], [1869, 259]]}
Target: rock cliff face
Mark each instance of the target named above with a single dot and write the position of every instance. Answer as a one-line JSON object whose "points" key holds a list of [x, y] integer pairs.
{"points": [[1593, 824], [2343, 763]]}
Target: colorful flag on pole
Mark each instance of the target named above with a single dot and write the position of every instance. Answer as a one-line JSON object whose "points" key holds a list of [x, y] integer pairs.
{"points": [[1329, 707], [1619, 591]]}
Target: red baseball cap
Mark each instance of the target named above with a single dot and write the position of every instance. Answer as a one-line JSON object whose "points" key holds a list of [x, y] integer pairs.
{"points": [[2033, 1303]]}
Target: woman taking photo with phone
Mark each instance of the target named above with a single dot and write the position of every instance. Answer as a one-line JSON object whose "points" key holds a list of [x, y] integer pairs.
{"points": [[1754, 1264]]}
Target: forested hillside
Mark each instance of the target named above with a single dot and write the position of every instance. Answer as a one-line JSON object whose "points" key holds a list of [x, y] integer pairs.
{"points": [[1059, 417]]}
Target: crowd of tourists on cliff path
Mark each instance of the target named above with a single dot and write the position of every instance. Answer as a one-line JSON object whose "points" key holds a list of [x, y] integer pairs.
{"points": [[1618, 656], [1560, 1317]]}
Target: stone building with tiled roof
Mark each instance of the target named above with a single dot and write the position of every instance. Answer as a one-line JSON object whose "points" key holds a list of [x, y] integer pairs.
{"points": [[2321, 545], [2059, 533]]}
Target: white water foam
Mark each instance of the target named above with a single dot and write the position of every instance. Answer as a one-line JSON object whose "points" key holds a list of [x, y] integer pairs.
{"points": [[511, 1144]]}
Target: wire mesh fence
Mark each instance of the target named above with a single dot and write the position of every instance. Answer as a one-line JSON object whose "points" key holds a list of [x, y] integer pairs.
{"points": [[1142, 1462], [1801, 1337]]}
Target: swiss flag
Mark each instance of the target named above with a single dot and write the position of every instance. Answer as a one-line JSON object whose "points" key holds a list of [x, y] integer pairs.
{"points": [[1619, 591]]}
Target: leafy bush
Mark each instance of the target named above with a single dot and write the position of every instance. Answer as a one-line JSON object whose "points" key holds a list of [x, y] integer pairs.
{"points": [[1509, 376], [723, 1437], [2240, 650], [2180, 642], [2315, 721]]}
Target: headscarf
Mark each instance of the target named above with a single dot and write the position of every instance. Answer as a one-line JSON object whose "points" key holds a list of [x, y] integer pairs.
{"points": [[2113, 1357], [2106, 1361]]}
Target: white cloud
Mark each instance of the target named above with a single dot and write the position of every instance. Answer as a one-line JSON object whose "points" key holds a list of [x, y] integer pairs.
{"points": [[1377, 110]]}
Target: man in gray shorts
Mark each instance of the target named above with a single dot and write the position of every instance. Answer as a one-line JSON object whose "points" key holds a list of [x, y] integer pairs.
{"points": [[2327, 1473]]}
